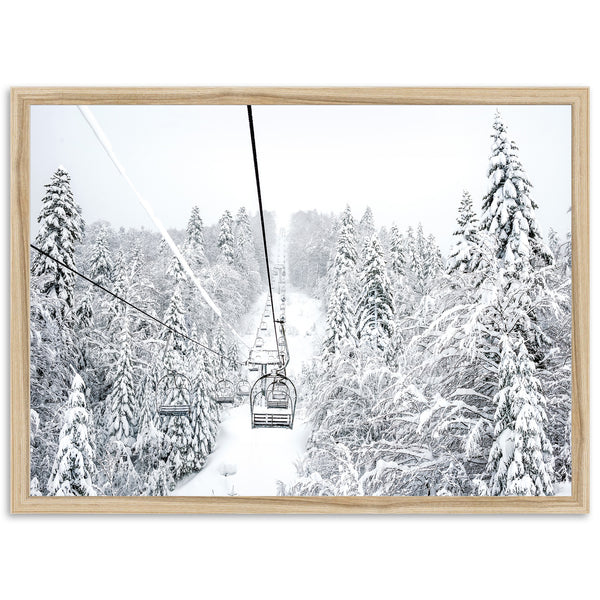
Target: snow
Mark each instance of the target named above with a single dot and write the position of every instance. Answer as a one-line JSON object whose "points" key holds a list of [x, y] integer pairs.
{"points": [[562, 489], [250, 462]]}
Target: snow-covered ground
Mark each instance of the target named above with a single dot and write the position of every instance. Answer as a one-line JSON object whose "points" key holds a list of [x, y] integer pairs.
{"points": [[250, 462]]}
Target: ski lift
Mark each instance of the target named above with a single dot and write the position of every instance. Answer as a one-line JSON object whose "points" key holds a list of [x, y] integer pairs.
{"points": [[225, 392], [263, 326], [165, 388], [273, 401], [259, 342]]}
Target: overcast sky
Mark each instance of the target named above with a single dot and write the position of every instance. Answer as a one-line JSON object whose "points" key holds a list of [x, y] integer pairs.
{"points": [[409, 163]]}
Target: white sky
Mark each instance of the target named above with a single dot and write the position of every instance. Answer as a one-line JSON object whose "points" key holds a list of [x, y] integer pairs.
{"points": [[409, 163]]}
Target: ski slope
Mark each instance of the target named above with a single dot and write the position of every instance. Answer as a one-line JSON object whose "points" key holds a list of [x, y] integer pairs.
{"points": [[250, 462]]}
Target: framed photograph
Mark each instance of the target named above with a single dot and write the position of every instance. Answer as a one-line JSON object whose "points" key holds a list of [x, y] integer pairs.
{"points": [[299, 300]]}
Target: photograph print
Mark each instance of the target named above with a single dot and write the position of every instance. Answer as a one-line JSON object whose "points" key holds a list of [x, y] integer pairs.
{"points": [[300, 300]]}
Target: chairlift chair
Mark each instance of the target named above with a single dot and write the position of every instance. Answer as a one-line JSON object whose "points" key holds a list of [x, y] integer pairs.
{"points": [[243, 388], [165, 387], [225, 392], [259, 342], [273, 402]]}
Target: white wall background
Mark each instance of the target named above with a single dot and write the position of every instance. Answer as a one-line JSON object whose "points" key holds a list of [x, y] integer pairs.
{"points": [[314, 42]]}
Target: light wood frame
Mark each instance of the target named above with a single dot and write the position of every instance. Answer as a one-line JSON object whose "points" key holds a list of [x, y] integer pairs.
{"points": [[21, 101]]}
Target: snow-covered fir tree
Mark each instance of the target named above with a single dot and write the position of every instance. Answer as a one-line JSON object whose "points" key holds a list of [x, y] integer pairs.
{"points": [[433, 259], [344, 262], [508, 210], [175, 386], [366, 227], [466, 239], [375, 311], [122, 399], [226, 240], [74, 465], [341, 327], [101, 265], [204, 411], [61, 229], [398, 257], [244, 251], [194, 246], [521, 460]]}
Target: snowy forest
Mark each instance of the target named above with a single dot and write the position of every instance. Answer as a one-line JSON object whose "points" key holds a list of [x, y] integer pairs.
{"points": [[418, 374]]}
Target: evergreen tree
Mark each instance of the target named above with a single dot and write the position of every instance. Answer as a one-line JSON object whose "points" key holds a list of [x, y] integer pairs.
{"points": [[122, 478], [244, 251], [61, 228], [205, 412], [397, 252], [521, 460], [101, 266], [433, 259], [466, 240], [366, 227], [176, 388], [74, 466], [340, 320], [418, 258], [194, 247], [159, 481], [508, 210], [220, 346], [226, 242], [344, 262], [85, 312], [121, 400], [375, 312]]}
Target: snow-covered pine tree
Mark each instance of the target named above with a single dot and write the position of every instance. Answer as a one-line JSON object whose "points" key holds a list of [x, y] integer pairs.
{"points": [[466, 238], [345, 259], [101, 265], [61, 228], [366, 228], [121, 400], [159, 481], [433, 259], [176, 387], [226, 242], [112, 309], [121, 476], [205, 412], [194, 241], [340, 320], [508, 210], [418, 258], [245, 250], [220, 346], [397, 252], [375, 312], [521, 460], [74, 465], [148, 450], [85, 312], [342, 289]]}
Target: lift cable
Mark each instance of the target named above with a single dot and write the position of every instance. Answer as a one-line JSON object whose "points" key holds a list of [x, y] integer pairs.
{"points": [[105, 143], [140, 310], [262, 217]]}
